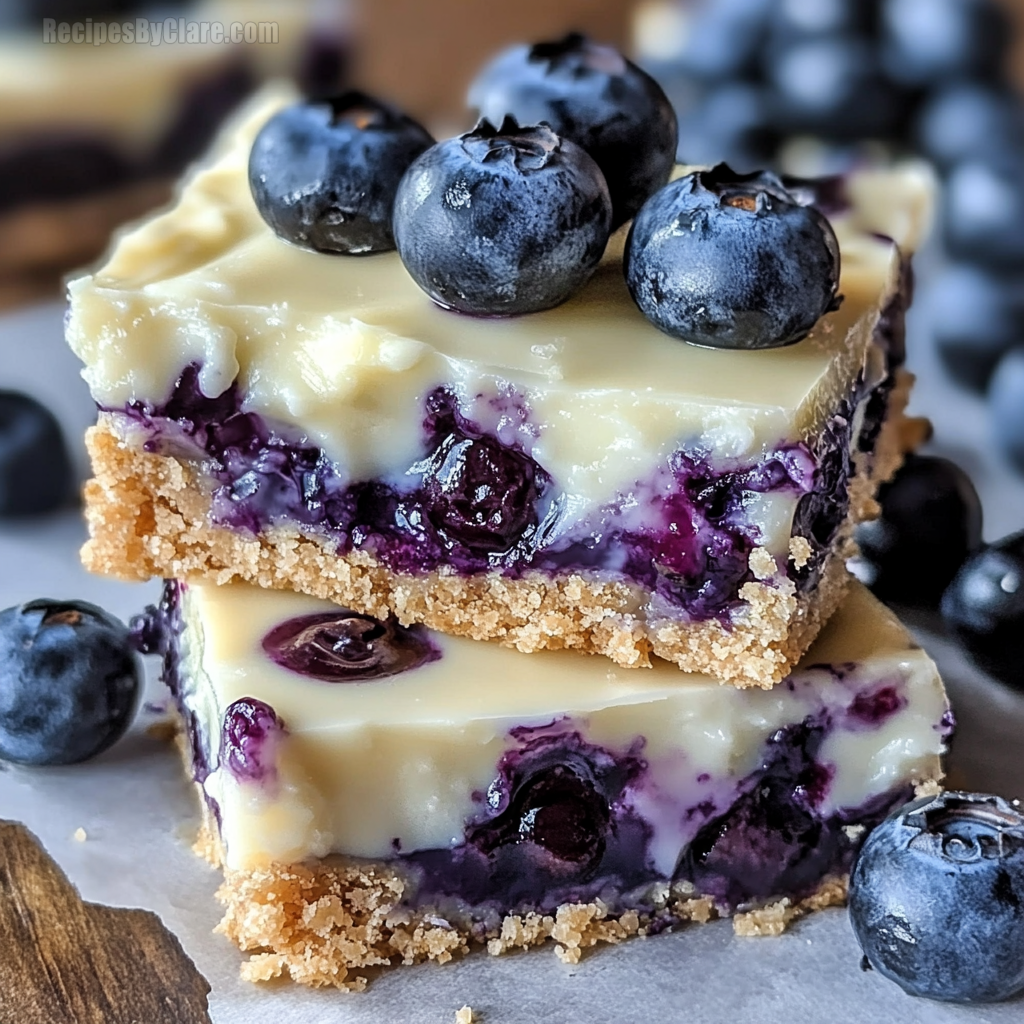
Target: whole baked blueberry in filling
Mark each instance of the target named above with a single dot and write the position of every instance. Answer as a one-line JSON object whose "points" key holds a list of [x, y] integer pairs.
{"points": [[554, 825], [475, 502], [558, 822]]}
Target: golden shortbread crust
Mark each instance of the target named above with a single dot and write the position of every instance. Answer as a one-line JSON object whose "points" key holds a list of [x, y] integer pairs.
{"points": [[338, 923]]}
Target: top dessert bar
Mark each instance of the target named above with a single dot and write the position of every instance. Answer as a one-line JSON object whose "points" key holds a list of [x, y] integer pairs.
{"points": [[565, 479]]}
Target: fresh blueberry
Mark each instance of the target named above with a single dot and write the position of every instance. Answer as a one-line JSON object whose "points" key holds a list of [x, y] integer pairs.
{"points": [[973, 316], [930, 523], [984, 606], [324, 173], [730, 124], [731, 261], [69, 682], [833, 86], [35, 468], [724, 39], [1006, 404], [968, 120], [346, 647], [592, 95], [983, 212], [502, 221], [937, 898], [931, 42], [823, 17]]}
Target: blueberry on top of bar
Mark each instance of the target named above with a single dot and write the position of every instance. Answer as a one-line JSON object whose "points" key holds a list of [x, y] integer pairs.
{"points": [[591, 94], [502, 220], [323, 173], [732, 260]]}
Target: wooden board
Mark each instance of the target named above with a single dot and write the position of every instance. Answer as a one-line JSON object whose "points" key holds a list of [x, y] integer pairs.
{"points": [[65, 961]]}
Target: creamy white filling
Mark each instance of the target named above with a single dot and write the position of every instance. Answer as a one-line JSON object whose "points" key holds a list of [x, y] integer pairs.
{"points": [[363, 764]]}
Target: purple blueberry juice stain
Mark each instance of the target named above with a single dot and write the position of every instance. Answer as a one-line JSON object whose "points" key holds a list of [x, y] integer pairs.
{"points": [[557, 824], [158, 631], [772, 839], [875, 706], [346, 647], [249, 739]]}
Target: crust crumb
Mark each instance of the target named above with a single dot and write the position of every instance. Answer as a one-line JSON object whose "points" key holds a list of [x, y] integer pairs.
{"points": [[800, 551], [761, 564], [776, 917], [928, 788]]}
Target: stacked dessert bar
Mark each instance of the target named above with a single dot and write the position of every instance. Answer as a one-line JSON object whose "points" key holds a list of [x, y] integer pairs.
{"points": [[686, 707]]}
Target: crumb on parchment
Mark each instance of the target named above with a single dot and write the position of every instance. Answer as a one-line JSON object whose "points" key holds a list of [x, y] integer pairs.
{"points": [[464, 1016], [80, 835]]}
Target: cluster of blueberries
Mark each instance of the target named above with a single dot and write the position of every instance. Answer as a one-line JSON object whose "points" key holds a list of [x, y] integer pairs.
{"points": [[749, 76], [925, 551], [514, 216]]}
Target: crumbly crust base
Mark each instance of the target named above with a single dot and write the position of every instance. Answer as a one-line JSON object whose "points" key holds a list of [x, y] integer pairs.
{"points": [[336, 923], [149, 516]]}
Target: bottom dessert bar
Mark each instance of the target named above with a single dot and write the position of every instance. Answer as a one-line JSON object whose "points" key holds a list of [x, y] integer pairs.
{"points": [[379, 794]]}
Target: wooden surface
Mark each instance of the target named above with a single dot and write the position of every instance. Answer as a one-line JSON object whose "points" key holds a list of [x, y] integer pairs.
{"points": [[64, 961]]}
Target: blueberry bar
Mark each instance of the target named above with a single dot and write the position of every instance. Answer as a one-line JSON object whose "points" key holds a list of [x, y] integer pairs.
{"points": [[94, 129], [372, 801], [566, 479]]}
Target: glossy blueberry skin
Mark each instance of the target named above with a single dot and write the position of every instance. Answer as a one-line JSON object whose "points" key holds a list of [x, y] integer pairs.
{"points": [[69, 682], [984, 606], [932, 42], [35, 468], [592, 95], [937, 898], [930, 523], [1006, 406], [503, 221], [324, 173], [731, 261], [973, 316]]}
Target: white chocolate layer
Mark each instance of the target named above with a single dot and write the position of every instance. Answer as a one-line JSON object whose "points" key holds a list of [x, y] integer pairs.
{"points": [[343, 350], [363, 764]]}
